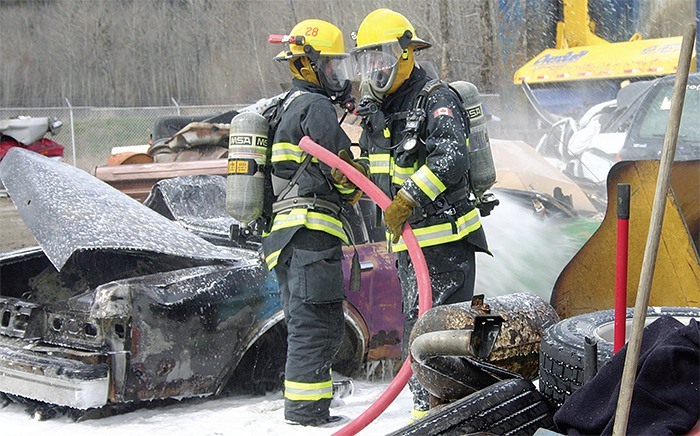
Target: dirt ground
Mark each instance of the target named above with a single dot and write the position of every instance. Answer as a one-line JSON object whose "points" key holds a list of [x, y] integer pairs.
{"points": [[13, 233]]}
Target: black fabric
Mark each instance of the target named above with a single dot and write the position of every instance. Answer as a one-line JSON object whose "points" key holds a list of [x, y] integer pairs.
{"points": [[452, 272], [311, 114], [665, 398], [313, 311]]}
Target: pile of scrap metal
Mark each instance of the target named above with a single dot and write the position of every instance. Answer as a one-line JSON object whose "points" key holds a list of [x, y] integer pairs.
{"points": [[477, 360], [182, 146]]}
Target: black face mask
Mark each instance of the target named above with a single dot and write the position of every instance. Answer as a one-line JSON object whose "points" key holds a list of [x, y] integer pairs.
{"points": [[338, 91]]}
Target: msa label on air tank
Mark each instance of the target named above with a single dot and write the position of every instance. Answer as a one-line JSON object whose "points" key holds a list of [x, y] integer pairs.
{"points": [[246, 167], [474, 112], [258, 141]]}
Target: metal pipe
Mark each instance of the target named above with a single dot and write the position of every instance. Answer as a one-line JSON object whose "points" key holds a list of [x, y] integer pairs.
{"points": [[176, 105], [657, 216], [590, 358], [72, 131], [441, 343], [623, 216]]}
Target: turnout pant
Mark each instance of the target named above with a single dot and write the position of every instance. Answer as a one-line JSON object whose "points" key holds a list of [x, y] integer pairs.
{"points": [[312, 289], [452, 271]]}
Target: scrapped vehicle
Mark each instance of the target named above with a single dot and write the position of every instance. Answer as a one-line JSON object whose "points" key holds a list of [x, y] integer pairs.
{"points": [[30, 133], [631, 127], [122, 304]]}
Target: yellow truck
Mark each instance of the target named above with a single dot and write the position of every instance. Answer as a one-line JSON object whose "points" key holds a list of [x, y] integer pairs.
{"points": [[584, 69]]}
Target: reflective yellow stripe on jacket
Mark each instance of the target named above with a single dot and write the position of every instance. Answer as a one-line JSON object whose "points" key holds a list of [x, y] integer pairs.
{"points": [[286, 151], [401, 174], [379, 163], [428, 182], [297, 391], [442, 233], [303, 217]]}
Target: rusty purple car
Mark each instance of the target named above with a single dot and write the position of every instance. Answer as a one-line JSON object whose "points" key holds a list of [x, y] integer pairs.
{"points": [[125, 302]]}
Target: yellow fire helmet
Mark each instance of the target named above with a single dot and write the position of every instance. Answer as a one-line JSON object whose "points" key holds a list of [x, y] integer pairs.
{"points": [[384, 26], [316, 51], [384, 53], [321, 35]]}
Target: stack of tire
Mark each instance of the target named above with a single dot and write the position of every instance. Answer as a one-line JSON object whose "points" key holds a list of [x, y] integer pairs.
{"points": [[515, 406], [563, 348], [508, 407]]}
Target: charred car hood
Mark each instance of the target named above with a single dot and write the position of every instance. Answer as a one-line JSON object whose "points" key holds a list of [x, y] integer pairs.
{"points": [[69, 211]]}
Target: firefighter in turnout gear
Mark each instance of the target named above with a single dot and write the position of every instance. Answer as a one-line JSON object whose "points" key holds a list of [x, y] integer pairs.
{"points": [[420, 160], [303, 244]]}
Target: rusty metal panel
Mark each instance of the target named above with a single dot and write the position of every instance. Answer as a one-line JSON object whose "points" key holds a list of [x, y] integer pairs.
{"points": [[587, 283]]}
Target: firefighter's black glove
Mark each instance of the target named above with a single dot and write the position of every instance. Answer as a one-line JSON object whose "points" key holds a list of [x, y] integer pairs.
{"points": [[397, 213], [354, 197], [341, 178]]}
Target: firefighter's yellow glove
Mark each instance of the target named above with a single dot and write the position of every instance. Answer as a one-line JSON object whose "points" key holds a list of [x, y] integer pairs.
{"points": [[397, 213], [341, 178]]}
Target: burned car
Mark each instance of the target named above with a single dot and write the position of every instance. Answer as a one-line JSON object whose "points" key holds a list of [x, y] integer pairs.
{"points": [[122, 304]]}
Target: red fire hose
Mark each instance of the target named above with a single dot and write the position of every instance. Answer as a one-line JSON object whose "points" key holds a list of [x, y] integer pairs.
{"points": [[424, 290], [623, 218]]}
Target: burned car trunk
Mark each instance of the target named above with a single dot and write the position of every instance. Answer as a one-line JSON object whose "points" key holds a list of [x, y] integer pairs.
{"points": [[120, 304]]}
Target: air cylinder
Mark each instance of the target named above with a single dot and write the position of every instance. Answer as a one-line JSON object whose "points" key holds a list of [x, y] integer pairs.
{"points": [[247, 157], [482, 171]]}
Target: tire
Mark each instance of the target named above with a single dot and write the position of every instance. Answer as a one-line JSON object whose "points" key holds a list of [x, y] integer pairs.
{"points": [[261, 369], [348, 360], [562, 348], [507, 407]]}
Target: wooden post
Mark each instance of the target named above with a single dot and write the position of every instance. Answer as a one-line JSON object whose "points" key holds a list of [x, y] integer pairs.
{"points": [[657, 215]]}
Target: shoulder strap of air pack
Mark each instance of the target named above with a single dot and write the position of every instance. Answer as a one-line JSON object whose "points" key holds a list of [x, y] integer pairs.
{"points": [[274, 121], [419, 113]]}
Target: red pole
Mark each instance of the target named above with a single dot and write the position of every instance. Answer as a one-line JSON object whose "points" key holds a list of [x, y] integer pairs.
{"points": [[623, 215]]}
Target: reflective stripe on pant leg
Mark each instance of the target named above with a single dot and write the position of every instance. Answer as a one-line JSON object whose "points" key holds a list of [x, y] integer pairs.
{"points": [[298, 391]]}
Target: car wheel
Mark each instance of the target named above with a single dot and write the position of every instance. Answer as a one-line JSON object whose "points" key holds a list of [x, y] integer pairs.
{"points": [[507, 407], [562, 348], [261, 369], [348, 360]]}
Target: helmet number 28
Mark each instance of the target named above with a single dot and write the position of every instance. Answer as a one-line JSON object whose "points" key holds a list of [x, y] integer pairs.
{"points": [[311, 31]]}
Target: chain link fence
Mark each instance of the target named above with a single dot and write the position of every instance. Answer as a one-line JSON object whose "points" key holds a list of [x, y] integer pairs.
{"points": [[90, 133]]}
